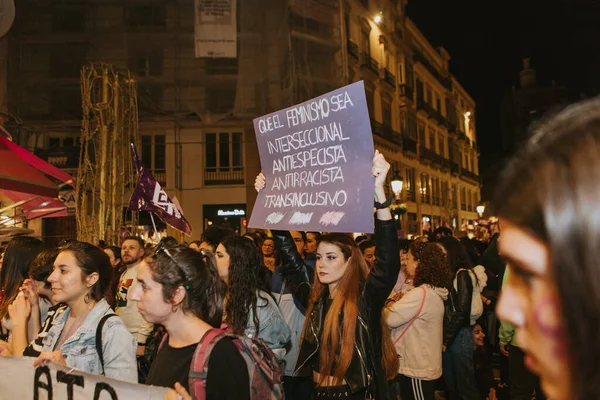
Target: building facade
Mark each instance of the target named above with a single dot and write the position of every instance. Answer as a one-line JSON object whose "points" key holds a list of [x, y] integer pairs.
{"points": [[195, 115]]}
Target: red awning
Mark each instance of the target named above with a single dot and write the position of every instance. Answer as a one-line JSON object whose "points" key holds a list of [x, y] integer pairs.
{"points": [[37, 206], [19, 176]]}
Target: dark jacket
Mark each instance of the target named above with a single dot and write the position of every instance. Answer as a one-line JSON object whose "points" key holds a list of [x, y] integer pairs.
{"points": [[366, 369], [457, 313]]}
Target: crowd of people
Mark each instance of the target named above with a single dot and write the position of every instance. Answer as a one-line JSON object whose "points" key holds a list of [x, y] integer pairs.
{"points": [[327, 315]]}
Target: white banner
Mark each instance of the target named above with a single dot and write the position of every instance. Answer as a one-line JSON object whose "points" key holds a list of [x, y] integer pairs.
{"points": [[216, 28], [20, 380]]}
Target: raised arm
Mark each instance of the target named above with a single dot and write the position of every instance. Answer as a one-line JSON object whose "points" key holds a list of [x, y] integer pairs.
{"points": [[384, 274], [296, 274]]}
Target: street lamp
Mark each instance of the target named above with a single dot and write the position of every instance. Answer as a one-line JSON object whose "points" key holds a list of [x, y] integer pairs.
{"points": [[480, 209], [377, 18], [397, 183]]}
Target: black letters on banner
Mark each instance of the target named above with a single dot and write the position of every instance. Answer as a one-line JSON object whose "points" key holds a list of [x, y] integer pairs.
{"points": [[100, 386], [70, 380], [37, 384]]}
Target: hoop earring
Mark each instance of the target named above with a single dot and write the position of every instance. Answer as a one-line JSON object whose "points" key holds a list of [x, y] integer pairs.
{"points": [[87, 298], [174, 308]]}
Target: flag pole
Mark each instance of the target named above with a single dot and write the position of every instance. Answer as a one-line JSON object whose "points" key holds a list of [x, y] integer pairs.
{"points": [[154, 224]]}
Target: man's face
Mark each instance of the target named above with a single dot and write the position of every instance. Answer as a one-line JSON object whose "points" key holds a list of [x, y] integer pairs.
{"points": [[311, 243], [131, 252], [369, 254], [298, 241]]}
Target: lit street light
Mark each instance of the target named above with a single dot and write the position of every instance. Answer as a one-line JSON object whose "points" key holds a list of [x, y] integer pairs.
{"points": [[397, 183], [480, 209]]}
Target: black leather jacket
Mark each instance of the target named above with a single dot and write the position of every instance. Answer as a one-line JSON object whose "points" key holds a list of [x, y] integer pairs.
{"points": [[365, 370], [457, 313]]}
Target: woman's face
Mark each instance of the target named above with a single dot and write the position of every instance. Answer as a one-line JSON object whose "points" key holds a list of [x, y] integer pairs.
{"points": [[530, 302], [411, 264], [331, 264], [268, 248], [403, 259], [149, 297], [68, 283], [222, 262], [478, 335]]}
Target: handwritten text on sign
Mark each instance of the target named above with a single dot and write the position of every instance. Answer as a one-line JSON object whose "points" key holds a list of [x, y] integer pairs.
{"points": [[20, 380], [316, 157]]}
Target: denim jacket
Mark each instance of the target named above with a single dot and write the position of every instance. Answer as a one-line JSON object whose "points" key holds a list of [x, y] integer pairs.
{"points": [[273, 329], [118, 345]]}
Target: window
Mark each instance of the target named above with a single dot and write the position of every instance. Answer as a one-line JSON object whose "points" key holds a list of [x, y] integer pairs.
{"points": [[154, 150], [463, 199], [438, 104], [454, 196], [420, 94], [386, 111], [429, 95], [223, 153], [409, 184], [435, 183], [70, 20], [221, 100], [445, 194], [421, 134], [149, 65], [66, 61], [65, 103], [432, 134], [470, 201], [425, 189], [365, 43], [144, 16]]}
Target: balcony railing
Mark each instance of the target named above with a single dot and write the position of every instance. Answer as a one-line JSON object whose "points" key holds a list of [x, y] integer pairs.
{"points": [[409, 145], [223, 175], [373, 64], [369, 62], [388, 77], [353, 49], [451, 127], [160, 175], [405, 91], [454, 167], [386, 132], [469, 175], [419, 57], [61, 157]]}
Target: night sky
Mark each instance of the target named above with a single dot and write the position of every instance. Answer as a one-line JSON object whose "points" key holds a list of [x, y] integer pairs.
{"points": [[487, 41]]}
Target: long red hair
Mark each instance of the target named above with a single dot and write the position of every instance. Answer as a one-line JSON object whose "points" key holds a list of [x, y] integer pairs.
{"points": [[345, 302]]}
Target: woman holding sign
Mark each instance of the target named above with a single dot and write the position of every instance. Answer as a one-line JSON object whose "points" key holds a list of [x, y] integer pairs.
{"points": [[345, 345]]}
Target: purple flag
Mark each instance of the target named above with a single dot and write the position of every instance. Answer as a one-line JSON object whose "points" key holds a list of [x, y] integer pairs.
{"points": [[150, 196]]}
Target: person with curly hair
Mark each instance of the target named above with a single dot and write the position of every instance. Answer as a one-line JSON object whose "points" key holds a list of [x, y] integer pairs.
{"points": [[249, 307], [417, 322]]}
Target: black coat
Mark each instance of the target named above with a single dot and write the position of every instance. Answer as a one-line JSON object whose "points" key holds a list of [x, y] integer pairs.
{"points": [[366, 368], [457, 308]]}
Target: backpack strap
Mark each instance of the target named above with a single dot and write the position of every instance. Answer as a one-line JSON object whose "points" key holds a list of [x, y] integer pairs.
{"points": [[99, 338], [415, 317], [162, 342], [198, 369]]}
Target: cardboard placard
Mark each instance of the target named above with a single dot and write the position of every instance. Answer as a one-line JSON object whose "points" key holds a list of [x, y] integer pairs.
{"points": [[19, 379], [317, 158]]}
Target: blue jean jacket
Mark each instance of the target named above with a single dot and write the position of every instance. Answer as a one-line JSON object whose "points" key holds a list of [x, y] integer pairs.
{"points": [[118, 345], [273, 329]]}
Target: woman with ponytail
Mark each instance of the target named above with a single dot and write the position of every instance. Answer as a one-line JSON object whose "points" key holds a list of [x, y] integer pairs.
{"points": [[345, 347]]}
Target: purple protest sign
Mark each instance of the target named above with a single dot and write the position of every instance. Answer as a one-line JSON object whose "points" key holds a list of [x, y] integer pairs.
{"points": [[317, 158], [150, 196]]}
